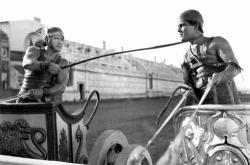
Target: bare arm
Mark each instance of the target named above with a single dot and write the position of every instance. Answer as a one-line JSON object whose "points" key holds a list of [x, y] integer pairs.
{"points": [[61, 81], [225, 52], [30, 61]]}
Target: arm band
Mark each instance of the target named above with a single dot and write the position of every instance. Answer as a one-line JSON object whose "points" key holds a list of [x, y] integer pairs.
{"points": [[46, 92], [44, 65]]}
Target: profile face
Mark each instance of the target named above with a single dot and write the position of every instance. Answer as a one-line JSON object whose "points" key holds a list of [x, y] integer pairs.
{"points": [[56, 41], [185, 30]]}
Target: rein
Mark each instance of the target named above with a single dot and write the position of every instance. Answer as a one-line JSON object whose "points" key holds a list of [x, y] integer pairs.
{"points": [[14, 97]]}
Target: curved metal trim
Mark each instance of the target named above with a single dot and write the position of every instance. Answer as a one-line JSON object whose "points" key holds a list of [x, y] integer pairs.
{"points": [[72, 119], [168, 103], [226, 107]]}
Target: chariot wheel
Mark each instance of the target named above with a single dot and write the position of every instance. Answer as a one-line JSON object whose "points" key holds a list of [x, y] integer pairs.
{"points": [[130, 155], [107, 147], [226, 154]]}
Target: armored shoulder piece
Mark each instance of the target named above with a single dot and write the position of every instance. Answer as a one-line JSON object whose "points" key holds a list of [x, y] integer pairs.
{"points": [[33, 50]]}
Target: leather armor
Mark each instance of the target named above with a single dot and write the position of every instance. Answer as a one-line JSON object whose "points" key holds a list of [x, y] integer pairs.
{"points": [[199, 66], [39, 79]]}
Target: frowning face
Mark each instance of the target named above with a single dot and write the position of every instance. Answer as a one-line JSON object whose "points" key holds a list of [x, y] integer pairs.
{"points": [[186, 30], [56, 40]]}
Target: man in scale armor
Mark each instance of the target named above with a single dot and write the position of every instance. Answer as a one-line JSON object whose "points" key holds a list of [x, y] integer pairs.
{"points": [[208, 57], [44, 80]]}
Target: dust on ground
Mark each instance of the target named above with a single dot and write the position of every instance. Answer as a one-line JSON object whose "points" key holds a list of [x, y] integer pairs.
{"points": [[134, 117]]}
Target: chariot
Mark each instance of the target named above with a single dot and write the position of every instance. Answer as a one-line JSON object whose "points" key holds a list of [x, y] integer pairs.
{"points": [[46, 131], [211, 134], [218, 134]]}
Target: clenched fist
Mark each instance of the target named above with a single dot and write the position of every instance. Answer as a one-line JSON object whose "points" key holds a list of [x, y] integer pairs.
{"points": [[54, 68]]}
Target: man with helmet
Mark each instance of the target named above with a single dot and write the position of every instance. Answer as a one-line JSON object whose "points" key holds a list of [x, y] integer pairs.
{"points": [[44, 80], [208, 58]]}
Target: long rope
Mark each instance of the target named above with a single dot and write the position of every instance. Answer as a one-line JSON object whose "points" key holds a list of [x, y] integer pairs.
{"points": [[127, 51], [11, 98]]}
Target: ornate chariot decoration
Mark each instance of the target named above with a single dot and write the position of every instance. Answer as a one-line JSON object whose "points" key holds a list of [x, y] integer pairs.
{"points": [[215, 137], [14, 140]]}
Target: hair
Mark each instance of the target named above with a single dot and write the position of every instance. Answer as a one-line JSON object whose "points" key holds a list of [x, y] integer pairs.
{"points": [[194, 18], [194, 23], [54, 29], [45, 34]]}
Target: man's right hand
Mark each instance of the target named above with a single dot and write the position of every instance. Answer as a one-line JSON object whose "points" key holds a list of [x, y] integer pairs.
{"points": [[35, 94], [54, 68]]}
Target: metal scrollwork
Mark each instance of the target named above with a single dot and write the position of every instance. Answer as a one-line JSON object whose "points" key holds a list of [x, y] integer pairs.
{"points": [[64, 147], [248, 132], [79, 137], [14, 137], [193, 144], [222, 138]]}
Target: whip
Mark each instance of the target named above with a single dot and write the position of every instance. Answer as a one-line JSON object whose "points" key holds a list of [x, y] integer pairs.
{"points": [[121, 52], [97, 57]]}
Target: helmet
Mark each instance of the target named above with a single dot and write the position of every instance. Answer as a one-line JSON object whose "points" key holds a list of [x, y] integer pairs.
{"points": [[192, 15], [50, 33], [51, 30], [47, 33]]}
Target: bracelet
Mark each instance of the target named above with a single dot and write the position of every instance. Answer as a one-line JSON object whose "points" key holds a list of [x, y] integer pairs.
{"points": [[46, 92], [44, 65]]}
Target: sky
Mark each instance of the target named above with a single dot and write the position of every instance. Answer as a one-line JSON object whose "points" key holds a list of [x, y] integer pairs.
{"points": [[132, 24]]}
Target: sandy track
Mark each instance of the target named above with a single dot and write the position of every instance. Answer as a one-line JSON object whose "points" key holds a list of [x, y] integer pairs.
{"points": [[135, 118]]}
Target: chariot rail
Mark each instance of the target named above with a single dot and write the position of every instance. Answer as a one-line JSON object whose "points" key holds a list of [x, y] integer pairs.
{"points": [[73, 118], [45, 131], [220, 107]]}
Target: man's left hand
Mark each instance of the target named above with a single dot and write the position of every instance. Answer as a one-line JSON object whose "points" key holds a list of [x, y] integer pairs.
{"points": [[216, 78]]}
